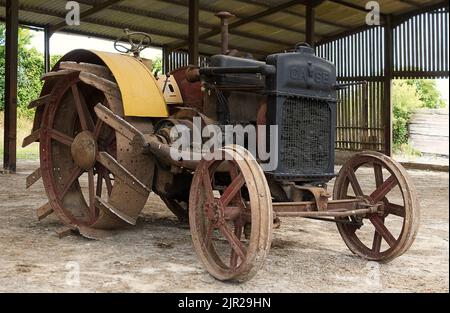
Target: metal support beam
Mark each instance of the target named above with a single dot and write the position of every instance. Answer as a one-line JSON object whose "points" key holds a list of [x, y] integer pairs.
{"points": [[165, 60], [12, 51], [193, 32], [260, 15], [210, 9], [388, 76], [47, 58], [310, 24], [95, 9], [353, 6]]}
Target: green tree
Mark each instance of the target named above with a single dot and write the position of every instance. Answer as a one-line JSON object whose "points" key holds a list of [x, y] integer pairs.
{"points": [[428, 93], [31, 67], [157, 65], [406, 100]]}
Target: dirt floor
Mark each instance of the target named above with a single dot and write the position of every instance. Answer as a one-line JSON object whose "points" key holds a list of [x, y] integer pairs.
{"points": [[157, 255]]}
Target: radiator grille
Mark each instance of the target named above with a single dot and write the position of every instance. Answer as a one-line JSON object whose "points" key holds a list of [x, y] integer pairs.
{"points": [[306, 136]]}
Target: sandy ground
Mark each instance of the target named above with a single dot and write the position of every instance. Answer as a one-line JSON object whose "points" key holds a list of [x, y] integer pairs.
{"points": [[157, 255]]}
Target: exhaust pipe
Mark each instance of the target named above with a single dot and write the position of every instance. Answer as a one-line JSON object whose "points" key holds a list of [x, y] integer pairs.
{"points": [[224, 18]]}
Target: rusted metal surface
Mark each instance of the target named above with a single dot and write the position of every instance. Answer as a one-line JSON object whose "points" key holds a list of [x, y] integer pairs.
{"points": [[224, 19], [320, 194], [33, 178], [177, 209], [31, 138], [98, 70], [44, 211], [305, 207], [42, 101], [76, 142], [84, 150], [190, 89]]}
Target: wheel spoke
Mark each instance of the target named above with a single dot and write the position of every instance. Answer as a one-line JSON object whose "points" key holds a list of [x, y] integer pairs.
{"points": [[74, 175], [384, 189], [382, 230], [376, 245], [99, 185], [61, 138], [209, 193], [378, 170], [234, 256], [354, 182], [91, 187], [108, 184], [232, 190], [235, 243], [82, 110], [98, 129], [395, 209], [209, 234]]}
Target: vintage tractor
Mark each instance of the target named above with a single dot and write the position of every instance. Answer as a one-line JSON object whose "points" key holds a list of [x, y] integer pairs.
{"points": [[107, 117]]}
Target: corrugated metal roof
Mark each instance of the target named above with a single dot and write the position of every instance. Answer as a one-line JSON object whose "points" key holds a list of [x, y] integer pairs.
{"points": [[166, 20]]}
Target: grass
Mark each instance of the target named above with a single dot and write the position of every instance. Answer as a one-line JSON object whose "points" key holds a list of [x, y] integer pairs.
{"points": [[406, 151], [24, 126]]}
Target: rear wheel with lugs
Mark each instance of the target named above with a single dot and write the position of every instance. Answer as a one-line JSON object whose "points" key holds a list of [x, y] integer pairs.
{"points": [[77, 147], [230, 214], [387, 234]]}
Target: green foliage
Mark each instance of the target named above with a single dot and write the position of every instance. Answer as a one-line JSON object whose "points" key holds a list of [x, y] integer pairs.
{"points": [[406, 100], [407, 97], [157, 65], [31, 67], [406, 150], [428, 93]]}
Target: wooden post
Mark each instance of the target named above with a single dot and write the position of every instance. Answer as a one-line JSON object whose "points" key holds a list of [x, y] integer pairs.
{"points": [[12, 51], [388, 76], [47, 62], [193, 32], [310, 24], [165, 60]]}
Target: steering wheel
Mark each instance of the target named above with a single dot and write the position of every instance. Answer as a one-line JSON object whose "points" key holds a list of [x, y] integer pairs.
{"points": [[135, 42]]}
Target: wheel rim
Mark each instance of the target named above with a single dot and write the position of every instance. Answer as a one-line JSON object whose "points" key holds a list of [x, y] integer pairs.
{"points": [[382, 236], [219, 221]]}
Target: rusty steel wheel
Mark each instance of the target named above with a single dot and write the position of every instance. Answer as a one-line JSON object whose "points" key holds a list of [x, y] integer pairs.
{"points": [[74, 143], [386, 235], [230, 214]]}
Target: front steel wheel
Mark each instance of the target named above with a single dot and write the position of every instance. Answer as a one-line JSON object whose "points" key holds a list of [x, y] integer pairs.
{"points": [[230, 215], [388, 234]]}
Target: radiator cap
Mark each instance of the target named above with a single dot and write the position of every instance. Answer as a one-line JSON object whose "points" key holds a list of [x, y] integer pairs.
{"points": [[304, 47]]}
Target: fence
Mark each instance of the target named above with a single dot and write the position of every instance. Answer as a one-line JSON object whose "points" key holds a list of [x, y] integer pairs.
{"points": [[419, 50]]}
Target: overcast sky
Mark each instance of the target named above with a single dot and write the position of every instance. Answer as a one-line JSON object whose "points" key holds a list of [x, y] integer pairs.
{"points": [[61, 44]]}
